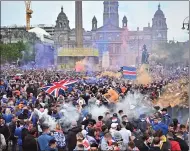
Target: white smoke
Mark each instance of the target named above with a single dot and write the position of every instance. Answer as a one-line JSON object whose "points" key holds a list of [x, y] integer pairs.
{"points": [[135, 104], [46, 119], [69, 114], [97, 111]]}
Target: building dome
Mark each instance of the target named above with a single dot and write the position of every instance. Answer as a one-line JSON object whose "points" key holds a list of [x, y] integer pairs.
{"points": [[62, 15], [159, 12]]}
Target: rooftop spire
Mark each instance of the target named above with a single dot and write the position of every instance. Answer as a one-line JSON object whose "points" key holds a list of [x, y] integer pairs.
{"points": [[61, 8], [159, 6]]}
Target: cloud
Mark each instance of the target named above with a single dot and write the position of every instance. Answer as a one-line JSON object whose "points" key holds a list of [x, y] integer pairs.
{"points": [[138, 13]]}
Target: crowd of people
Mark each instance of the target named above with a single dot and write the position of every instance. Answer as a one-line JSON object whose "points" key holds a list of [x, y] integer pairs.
{"points": [[21, 129]]}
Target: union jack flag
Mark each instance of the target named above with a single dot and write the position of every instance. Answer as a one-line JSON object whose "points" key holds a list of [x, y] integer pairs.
{"points": [[57, 88]]}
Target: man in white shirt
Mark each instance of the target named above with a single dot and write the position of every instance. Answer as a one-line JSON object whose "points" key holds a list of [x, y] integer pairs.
{"points": [[126, 134]]}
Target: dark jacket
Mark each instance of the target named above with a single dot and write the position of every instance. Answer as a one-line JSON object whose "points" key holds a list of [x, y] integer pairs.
{"points": [[144, 147], [154, 149], [12, 127], [182, 143], [71, 138], [30, 143], [166, 119], [138, 142], [142, 125], [166, 146], [5, 131]]}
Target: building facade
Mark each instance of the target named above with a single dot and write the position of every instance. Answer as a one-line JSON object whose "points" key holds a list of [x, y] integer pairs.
{"points": [[123, 44]]}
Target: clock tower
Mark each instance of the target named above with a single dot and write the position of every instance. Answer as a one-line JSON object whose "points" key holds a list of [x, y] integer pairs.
{"points": [[111, 13]]}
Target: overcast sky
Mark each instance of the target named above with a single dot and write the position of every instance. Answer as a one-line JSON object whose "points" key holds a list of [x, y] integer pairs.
{"points": [[138, 14]]}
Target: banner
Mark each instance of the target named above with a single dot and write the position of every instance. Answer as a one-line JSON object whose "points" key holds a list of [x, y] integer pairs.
{"points": [[78, 52]]}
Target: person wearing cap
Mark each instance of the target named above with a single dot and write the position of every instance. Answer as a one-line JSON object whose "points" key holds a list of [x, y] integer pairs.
{"points": [[44, 139], [166, 119], [115, 119], [118, 138], [113, 128]]}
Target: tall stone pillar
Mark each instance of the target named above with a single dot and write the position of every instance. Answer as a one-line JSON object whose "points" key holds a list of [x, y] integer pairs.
{"points": [[78, 24]]}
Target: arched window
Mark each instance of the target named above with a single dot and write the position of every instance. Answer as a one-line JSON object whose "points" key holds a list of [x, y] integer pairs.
{"points": [[160, 23], [60, 25]]}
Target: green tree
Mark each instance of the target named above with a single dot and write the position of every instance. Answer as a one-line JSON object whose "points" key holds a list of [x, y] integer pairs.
{"points": [[171, 53], [12, 51]]}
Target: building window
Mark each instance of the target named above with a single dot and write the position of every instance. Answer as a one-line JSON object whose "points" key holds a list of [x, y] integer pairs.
{"points": [[110, 49], [160, 22], [118, 50]]}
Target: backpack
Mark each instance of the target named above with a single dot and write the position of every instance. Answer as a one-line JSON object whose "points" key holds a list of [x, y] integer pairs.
{"points": [[3, 144]]}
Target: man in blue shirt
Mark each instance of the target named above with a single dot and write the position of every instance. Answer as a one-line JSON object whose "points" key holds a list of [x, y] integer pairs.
{"points": [[45, 138], [18, 134], [159, 125]]}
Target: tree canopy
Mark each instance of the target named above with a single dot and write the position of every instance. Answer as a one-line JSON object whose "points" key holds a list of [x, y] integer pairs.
{"points": [[171, 53], [10, 52]]}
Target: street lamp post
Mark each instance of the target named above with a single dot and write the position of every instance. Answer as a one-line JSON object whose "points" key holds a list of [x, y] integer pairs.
{"points": [[185, 23]]}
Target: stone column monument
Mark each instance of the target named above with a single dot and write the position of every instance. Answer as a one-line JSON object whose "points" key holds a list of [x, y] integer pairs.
{"points": [[78, 24]]}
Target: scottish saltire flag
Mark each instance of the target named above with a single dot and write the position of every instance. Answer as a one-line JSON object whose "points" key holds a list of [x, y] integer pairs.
{"points": [[129, 73], [57, 88]]}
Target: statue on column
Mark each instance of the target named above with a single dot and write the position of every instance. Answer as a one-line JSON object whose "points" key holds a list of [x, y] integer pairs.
{"points": [[145, 56]]}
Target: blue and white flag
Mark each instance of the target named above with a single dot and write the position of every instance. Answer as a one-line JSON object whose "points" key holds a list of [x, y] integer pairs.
{"points": [[129, 73]]}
